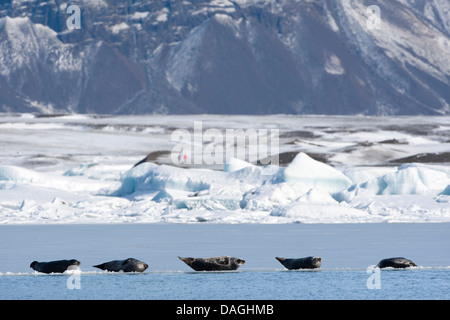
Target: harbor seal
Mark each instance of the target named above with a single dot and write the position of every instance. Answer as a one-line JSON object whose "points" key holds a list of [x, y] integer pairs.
{"points": [[127, 265], [222, 263], [301, 263], [58, 266], [396, 263]]}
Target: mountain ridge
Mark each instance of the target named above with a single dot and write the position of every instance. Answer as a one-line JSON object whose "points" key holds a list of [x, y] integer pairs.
{"points": [[226, 57]]}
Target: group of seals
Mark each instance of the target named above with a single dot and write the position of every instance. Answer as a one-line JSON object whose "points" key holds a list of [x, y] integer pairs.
{"points": [[221, 263], [315, 262], [230, 263], [60, 266]]}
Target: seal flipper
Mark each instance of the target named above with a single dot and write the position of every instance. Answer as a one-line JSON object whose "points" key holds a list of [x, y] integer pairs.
{"points": [[187, 260], [282, 261], [125, 267], [100, 266]]}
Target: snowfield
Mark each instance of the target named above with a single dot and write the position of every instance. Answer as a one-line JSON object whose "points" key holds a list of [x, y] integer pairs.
{"points": [[79, 169]]}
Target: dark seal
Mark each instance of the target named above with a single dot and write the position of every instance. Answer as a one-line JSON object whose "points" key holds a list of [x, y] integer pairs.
{"points": [[127, 265], [58, 266], [222, 263], [301, 263], [399, 262]]}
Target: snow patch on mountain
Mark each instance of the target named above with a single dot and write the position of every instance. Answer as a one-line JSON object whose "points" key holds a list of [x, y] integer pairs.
{"points": [[184, 57]]}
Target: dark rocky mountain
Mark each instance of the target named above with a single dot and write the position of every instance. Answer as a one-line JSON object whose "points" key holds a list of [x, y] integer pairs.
{"points": [[226, 57]]}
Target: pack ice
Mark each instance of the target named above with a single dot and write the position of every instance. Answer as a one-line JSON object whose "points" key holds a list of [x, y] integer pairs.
{"points": [[306, 191]]}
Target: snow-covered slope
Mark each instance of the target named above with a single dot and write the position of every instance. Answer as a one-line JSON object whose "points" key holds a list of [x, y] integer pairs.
{"points": [[240, 57]]}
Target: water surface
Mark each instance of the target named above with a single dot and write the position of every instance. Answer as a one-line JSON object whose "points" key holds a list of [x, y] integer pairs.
{"points": [[346, 251]]}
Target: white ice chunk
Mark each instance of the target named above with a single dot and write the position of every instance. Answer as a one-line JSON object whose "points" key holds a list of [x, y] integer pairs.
{"points": [[303, 169], [234, 164], [446, 191], [411, 179], [151, 177]]}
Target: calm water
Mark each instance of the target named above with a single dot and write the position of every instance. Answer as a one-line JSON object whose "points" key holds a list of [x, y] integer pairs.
{"points": [[346, 251], [262, 285]]}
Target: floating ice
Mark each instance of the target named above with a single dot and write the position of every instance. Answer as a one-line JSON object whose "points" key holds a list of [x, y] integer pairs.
{"points": [[150, 177], [306, 191], [419, 179], [310, 172], [11, 176], [446, 192], [414, 179], [234, 164]]}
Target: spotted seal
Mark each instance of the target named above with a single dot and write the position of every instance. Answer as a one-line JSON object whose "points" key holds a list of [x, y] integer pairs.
{"points": [[301, 263], [222, 263]]}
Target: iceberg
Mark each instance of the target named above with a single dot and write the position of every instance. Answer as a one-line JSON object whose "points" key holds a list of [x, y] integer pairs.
{"points": [[418, 179], [446, 191], [149, 177], [13, 176], [305, 170], [413, 179], [234, 164]]}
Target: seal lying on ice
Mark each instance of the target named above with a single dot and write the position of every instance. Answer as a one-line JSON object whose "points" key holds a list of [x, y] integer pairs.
{"points": [[301, 263], [57, 266], [127, 265], [396, 263], [222, 263]]}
